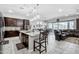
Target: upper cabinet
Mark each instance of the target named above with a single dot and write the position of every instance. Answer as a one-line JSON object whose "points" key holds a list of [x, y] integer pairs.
{"points": [[26, 24], [19, 23], [77, 23], [10, 21], [23, 23]]}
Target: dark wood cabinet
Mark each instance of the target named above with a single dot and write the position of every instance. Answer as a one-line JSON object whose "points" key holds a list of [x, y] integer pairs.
{"points": [[19, 23], [26, 23], [14, 22], [77, 23], [10, 21], [11, 34], [23, 23], [25, 39]]}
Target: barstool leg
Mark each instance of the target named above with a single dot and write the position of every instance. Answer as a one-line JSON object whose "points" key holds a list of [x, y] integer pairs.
{"points": [[34, 46], [45, 47], [40, 48], [47, 40]]}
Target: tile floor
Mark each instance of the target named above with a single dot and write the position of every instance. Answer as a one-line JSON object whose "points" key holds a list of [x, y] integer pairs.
{"points": [[54, 47]]}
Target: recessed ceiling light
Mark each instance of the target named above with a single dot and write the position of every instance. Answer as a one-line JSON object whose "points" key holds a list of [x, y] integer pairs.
{"points": [[60, 10], [22, 7], [10, 11], [38, 16], [27, 14], [66, 15]]}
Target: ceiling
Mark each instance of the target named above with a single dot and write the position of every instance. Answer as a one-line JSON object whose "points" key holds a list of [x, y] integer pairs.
{"points": [[46, 11]]}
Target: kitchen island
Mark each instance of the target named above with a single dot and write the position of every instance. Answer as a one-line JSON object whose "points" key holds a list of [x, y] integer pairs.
{"points": [[27, 37]]}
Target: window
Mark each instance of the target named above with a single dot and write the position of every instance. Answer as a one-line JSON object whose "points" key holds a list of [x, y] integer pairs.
{"points": [[71, 25], [49, 25], [60, 25], [55, 26], [63, 25]]}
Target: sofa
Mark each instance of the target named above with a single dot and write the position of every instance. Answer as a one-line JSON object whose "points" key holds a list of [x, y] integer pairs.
{"points": [[58, 35], [63, 34], [71, 33]]}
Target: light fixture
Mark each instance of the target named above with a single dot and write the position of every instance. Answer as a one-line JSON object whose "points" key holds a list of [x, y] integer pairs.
{"points": [[33, 11], [66, 15], [10, 11], [60, 10], [77, 11], [38, 16]]}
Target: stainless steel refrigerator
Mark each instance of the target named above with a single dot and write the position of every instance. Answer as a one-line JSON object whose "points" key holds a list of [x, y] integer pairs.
{"points": [[2, 25]]}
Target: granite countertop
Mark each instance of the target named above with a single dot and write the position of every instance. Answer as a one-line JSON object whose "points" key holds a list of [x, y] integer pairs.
{"points": [[30, 33]]}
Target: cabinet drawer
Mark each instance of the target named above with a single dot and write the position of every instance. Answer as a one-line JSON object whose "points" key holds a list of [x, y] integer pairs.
{"points": [[11, 33]]}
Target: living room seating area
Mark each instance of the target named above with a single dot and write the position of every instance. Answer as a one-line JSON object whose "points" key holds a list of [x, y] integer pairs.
{"points": [[63, 34]]}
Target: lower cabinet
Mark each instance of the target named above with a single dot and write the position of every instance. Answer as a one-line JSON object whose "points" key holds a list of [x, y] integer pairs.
{"points": [[24, 40], [11, 34]]}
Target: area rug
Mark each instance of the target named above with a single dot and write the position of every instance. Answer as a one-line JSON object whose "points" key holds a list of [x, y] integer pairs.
{"points": [[73, 40], [20, 46]]}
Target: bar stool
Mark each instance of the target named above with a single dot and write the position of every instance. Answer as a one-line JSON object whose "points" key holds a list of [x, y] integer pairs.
{"points": [[41, 43]]}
